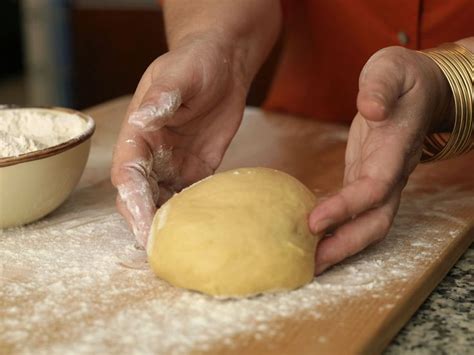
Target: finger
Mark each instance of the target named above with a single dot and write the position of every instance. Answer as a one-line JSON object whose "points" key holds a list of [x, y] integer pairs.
{"points": [[357, 234], [382, 82], [357, 197], [377, 176], [137, 188], [162, 94], [122, 209], [156, 108], [136, 202], [145, 177]]}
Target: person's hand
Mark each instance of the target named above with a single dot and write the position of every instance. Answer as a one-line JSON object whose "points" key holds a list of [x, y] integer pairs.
{"points": [[402, 96], [186, 109]]}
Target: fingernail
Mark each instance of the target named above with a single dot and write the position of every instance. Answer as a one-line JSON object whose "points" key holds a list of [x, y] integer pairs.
{"points": [[380, 101], [320, 268], [322, 225]]}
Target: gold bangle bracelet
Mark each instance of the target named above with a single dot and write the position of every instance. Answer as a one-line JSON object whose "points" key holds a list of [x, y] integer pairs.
{"points": [[456, 63]]}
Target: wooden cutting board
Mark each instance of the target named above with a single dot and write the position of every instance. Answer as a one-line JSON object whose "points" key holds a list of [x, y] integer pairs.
{"points": [[72, 282]]}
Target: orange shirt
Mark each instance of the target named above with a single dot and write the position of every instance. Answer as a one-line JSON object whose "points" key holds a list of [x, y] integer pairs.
{"points": [[327, 42]]}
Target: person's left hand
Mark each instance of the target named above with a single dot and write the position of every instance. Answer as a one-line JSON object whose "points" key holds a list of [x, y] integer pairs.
{"points": [[402, 96]]}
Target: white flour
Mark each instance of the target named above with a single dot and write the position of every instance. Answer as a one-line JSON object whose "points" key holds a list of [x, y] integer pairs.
{"points": [[27, 130], [69, 283], [64, 289]]}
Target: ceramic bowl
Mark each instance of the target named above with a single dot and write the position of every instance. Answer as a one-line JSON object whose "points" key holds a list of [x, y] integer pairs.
{"points": [[34, 184]]}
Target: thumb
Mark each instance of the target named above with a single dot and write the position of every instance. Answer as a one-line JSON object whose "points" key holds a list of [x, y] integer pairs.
{"points": [[156, 108], [166, 84], [382, 82]]}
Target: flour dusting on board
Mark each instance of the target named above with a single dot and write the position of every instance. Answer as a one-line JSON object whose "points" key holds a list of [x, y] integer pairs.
{"points": [[69, 292]]}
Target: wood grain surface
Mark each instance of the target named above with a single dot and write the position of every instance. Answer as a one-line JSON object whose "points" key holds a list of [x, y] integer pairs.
{"points": [[434, 227]]}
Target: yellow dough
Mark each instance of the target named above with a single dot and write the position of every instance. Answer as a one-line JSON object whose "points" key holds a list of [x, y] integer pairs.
{"points": [[237, 233]]}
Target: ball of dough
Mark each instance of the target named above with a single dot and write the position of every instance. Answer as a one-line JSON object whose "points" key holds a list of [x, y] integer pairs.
{"points": [[236, 233]]}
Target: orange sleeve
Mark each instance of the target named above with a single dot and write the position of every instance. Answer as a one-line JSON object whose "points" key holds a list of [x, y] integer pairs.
{"points": [[327, 43]]}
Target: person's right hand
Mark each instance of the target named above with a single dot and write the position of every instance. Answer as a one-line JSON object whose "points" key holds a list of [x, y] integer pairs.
{"points": [[183, 115]]}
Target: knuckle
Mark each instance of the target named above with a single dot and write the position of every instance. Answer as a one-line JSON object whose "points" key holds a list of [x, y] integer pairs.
{"points": [[118, 175], [344, 206], [115, 177], [394, 58], [391, 52], [123, 173], [378, 191]]}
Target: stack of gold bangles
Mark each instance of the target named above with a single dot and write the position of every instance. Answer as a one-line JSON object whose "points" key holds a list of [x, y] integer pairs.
{"points": [[456, 63]]}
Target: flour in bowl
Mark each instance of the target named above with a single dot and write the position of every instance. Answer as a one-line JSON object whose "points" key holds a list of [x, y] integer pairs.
{"points": [[26, 130]]}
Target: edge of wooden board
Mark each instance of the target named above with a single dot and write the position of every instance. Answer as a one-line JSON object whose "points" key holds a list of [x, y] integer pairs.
{"points": [[424, 286]]}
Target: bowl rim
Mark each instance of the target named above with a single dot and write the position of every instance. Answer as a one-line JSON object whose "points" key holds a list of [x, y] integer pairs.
{"points": [[56, 149]]}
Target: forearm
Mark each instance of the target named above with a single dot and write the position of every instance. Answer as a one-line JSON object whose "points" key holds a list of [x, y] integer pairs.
{"points": [[245, 30]]}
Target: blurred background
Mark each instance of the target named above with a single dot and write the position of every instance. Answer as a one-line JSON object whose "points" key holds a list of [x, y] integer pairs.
{"points": [[79, 53]]}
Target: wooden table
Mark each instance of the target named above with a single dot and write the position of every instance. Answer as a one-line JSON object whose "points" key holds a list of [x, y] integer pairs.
{"points": [[68, 283]]}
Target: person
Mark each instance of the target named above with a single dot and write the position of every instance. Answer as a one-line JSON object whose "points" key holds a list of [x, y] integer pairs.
{"points": [[189, 102]]}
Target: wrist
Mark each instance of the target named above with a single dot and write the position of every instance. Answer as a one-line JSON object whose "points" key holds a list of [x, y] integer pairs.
{"points": [[244, 31], [442, 116], [455, 62], [443, 120], [219, 48]]}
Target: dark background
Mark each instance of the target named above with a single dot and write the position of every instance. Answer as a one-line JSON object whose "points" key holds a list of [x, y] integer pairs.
{"points": [[108, 48], [11, 58]]}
